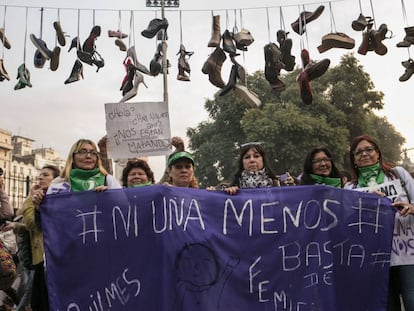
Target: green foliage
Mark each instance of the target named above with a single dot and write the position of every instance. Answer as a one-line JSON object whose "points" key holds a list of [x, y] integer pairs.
{"points": [[343, 103]]}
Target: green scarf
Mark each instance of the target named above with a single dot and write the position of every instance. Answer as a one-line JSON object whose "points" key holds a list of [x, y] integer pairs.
{"points": [[81, 180], [370, 175], [141, 185], [329, 181]]}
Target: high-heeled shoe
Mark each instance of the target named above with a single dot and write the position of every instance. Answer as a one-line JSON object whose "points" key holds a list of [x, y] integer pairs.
{"points": [[228, 44], [212, 67], [232, 81], [128, 84], [131, 52], [138, 79], [89, 44], [3, 72], [154, 26], [77, 72], [75, 43], [241, 72], [155, 64], [183, 65]]}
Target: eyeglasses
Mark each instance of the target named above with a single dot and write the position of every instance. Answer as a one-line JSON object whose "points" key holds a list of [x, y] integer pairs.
{"points": [[368, 150], [251, 144], [319, 161], [84, 152]]}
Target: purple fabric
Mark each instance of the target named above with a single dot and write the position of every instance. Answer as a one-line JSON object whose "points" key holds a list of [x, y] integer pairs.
{"points": [[167, 248]]}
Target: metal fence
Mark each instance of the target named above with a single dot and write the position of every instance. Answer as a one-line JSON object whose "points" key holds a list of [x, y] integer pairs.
{"points": [[17, 187]]}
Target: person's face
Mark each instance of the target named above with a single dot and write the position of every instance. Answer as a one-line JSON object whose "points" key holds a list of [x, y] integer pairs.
{"points": [[252, 161], [365, 154], [86, 158], [45, 178], [321, 164], [136, 176], [182, 173]]}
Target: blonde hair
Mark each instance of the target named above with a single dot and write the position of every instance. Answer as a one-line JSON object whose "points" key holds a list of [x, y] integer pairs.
{"points": [[75, 148]]}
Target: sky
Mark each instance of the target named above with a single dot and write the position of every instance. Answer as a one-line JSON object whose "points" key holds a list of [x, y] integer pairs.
{"points": [[55, 115]]}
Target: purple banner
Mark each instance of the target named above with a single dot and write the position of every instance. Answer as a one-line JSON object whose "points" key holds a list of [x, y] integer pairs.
{"points": [[156, 248]]}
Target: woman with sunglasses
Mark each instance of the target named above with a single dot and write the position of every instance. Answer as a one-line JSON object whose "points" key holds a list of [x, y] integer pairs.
{"points": [[320, 169], [369, 169]]}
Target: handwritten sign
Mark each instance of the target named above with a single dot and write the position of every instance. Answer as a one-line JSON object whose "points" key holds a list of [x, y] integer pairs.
{"points": [[165, 248], [137, 129]]}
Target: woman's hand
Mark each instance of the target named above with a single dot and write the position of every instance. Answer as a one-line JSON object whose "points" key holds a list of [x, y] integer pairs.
{"points": [[37, 196], [231, 190], [404, 208], [101, 188], [381, 194]]}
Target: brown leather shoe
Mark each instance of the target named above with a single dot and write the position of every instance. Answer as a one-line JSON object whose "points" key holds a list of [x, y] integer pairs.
{"points": [[304, 88], [336, 40], [409, 70], [215, 33], [4, 39], [59, 33], [378, 36], [212, 67], [299, 26], [247, 96]]}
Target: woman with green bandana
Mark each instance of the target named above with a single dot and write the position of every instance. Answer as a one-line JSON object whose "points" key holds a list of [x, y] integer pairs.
{"points": [[83, 171], [137, 173], [371, 173], [320, 169]]}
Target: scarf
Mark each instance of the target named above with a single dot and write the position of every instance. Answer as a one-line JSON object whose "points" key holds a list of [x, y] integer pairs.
{"points": [[141, 185], [329, 181], [258, 179], [81, 180], [370, 175]]}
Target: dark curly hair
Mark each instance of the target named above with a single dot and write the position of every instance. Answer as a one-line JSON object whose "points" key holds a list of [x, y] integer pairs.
{"points": [[131, 164]]}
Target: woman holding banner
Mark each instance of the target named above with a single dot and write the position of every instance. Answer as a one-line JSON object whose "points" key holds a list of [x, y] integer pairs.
{"points": [[371, 173], [320, 169], [137, 173]]}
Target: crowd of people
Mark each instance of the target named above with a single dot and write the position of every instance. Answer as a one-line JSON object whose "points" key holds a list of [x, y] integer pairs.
{"points": [[84, 170]]}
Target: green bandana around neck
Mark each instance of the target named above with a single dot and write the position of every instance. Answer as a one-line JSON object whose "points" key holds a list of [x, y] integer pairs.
{"points": [[81, 180], [370, 175], [141, 185], [329, 181]]}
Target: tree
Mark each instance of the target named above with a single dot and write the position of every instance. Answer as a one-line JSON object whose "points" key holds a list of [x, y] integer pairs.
{"points": [[343, 107]]}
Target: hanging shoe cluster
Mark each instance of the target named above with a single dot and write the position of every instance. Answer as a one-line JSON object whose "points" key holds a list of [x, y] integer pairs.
{"points": [[231, 42], [134, 76], [23, 76], [311, 71], [371, 38]]}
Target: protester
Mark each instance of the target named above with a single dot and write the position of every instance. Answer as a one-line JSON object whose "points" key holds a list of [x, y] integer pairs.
{"points": [[319, 168], [39, 299], [369, 169], [181, 170], [178, 143], [137, 173], [253, 170], [83, 171]]}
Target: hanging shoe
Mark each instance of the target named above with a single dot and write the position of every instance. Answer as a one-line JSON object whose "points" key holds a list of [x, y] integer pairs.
{"points": [[228, 44], [215, 33], [378, 36], [243, 39], [182, 76], [409, 70], [59, 33], [129, 83], [273, 63], [76, 74], [155, 64], [365, 43], [116, 34], [23, 75], [247, 96], [131, 52], [361, 22], [89, 44], [241, 72], [212, 67], [182, 60], [39, 59], [408, 38], [316, 69], [41, 46], [97, 60], [336, 40], [3, 72], [154, 26], [4, 39], [139, 78], [54, 60], [84, 57], [305, 18], [304, 88], [75, 43], [231, 83], [120, 44], [287, 58]]}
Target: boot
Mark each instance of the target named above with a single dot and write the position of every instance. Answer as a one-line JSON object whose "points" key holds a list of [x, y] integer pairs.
{"points": [[408, 39], [131, 52], [228, 44], [378, 36], [287, 58], [76, 74], [305, 18], [241, 72], [231, 83], [41, 46], [154, 26], [361, 22], [4, 39], [273, 63], [59, 33], [212, 67], [139, 78], [409, 70], [215, 33], [247, 96], [3, 72], [366, 38], [304, 88]]}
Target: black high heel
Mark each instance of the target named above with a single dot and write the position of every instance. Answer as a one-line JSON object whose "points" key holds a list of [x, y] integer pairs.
{"points": [[232, 81], [74, 44], [76, 74]]}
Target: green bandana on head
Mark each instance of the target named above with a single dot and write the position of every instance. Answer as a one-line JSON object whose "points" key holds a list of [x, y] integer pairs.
{"points": [[329, 181], [370, 175], [81, 180]]}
